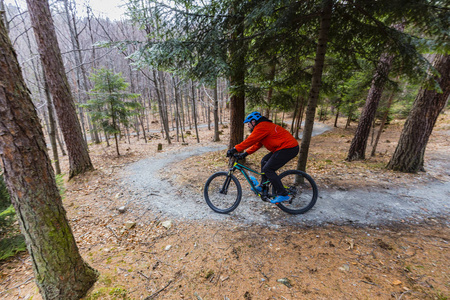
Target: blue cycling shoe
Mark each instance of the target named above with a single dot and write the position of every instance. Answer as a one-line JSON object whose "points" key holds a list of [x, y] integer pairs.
{"points": [[279, 199], [257, 189]]}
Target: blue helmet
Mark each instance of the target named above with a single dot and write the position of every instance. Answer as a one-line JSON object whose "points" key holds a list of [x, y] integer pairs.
{"points": [[253, 116]]}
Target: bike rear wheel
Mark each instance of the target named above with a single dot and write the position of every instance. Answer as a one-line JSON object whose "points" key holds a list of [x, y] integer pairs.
{"points": [[301, 188], [222, 192]]}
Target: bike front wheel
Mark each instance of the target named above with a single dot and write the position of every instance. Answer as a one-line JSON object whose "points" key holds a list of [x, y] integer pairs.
{"points": [[222, 192], [302, 190]]}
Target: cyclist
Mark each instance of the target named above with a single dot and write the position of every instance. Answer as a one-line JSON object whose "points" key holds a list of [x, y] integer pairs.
{"points": [[282, 146]]}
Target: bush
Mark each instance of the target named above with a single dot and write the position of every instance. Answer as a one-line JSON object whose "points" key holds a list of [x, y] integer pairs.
{"points": [[5, 202], [11, 246], [11, 241]]}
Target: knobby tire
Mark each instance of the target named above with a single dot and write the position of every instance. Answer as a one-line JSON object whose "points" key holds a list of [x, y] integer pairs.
{"points": [[215, 197], [302, 189]]}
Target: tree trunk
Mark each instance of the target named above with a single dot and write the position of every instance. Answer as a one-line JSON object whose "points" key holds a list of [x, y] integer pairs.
{"points": [[162, 107], [95, 130], [359, 143], [410, 151], [299, 118], [60, 271], [349, 119], [208, 109], [237, 53], [187, 106], [316, 83], [78, 63], [336, 118], [294, 117], [194, 113], [52, 132], [79, 160], [3, 15], [383, 121], [216, 114], [175, 96]]}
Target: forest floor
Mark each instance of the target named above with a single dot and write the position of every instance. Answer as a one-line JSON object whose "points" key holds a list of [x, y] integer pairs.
{"points": [[161, 248]]}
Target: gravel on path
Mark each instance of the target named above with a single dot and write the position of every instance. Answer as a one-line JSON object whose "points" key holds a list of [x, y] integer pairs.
{"points": [[362, 207]]}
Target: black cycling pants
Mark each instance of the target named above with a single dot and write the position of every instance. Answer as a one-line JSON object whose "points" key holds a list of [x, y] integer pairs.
{"points": [[272, 162]]}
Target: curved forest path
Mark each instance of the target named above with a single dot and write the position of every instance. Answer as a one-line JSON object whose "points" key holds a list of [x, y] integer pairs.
{"points": [[368, 206]]}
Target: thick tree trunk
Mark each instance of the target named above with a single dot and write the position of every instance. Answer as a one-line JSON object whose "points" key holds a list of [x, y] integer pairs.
{"points": [[316, 83], [44, 30], [60, 271], [359, 143], [410, 151]]}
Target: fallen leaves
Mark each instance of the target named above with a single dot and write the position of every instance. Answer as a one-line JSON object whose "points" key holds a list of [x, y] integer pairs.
{"points": [[396, 282]]}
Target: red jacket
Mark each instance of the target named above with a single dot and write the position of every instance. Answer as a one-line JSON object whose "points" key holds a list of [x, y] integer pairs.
{"points": [[269, 135]]}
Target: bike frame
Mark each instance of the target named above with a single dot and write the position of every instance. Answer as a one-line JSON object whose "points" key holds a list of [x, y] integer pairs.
{"points": [[242, 168]]}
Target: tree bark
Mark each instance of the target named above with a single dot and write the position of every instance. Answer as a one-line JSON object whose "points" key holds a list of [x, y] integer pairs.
{"points": [[161, 106], [410, 151], [52, 125], [216, 114], [237, 83], [336, 118], [359, 143], [325, 24], [41, 19], [383, 121], [3, 15], [194, 113], [60, 271]]}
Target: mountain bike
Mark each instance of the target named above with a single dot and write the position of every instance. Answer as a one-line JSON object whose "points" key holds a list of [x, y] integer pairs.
{"points": [[223, 191]]}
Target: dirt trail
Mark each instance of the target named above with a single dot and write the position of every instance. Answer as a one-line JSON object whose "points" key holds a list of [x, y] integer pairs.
{"points": [[365, 207]]}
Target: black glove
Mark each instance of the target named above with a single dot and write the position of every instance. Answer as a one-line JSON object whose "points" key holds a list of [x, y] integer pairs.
{"points": [[241, 155], [231, 152]]}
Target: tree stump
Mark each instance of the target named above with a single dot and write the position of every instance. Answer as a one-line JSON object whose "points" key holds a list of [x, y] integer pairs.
{"points": [[159, 147]]}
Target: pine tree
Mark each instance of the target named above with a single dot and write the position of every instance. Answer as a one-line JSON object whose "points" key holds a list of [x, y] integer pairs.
{"points": [[410, 151], [108, 107]]}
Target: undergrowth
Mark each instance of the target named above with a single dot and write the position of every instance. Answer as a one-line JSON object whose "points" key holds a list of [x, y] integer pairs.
{"points": [[11, 240]]}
